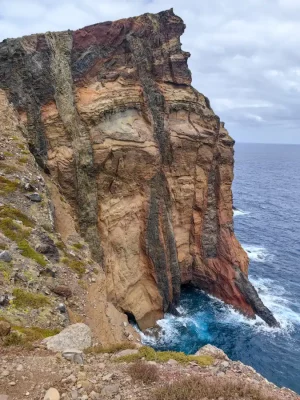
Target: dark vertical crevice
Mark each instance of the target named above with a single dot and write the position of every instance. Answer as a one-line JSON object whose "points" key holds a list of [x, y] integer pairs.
{"points": [[86, 184]]}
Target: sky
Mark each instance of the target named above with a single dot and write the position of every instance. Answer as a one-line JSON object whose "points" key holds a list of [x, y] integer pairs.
{"points": [[245, 54]]}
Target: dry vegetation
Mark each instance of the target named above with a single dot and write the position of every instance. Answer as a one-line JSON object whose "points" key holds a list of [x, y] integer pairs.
{"points": [[141, 371], [195, 388]]}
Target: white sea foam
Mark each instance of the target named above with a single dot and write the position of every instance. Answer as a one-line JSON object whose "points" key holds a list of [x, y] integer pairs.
{"points": [[238, 213], [273, 296], [258, 254]]}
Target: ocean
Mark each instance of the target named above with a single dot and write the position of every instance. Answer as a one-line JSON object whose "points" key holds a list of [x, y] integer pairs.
{"points": [[266, 193]]}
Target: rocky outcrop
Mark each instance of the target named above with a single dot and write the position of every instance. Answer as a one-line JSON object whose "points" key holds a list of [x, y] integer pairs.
{"points": [[143, 161]]}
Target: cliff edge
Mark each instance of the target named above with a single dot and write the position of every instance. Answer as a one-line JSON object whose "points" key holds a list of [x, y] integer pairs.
{"points": [[144, 164]]}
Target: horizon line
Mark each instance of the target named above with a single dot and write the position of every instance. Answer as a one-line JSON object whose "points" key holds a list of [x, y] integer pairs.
{"points": [[285, 144]]}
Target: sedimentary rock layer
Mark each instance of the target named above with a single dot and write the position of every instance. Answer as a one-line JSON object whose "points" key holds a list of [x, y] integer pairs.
{"points": [[144, 162]]}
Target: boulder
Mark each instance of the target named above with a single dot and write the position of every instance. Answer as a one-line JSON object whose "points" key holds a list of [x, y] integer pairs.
{"points": [[5, 328], [212, 351], [76, 336]]}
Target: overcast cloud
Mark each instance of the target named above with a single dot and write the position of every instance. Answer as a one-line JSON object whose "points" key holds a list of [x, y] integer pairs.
{"points": [[245, 54]]}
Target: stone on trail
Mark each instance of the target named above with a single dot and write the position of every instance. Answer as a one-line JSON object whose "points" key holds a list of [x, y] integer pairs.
{"points": [[73, 355], [76, 336], [110, 390], [52, 394]]}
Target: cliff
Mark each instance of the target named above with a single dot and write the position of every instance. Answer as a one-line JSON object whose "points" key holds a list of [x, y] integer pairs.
{"points": [[142, 161]]}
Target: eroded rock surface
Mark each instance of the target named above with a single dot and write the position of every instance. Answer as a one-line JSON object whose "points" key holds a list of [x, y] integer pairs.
{"points": [[144, 163]]}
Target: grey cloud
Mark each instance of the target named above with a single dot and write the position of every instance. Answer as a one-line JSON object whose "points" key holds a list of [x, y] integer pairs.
{"points": [[245, 55]]}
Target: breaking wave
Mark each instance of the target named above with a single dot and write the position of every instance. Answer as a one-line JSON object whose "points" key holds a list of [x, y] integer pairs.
{"points": [[238, 213], [258, 254]]}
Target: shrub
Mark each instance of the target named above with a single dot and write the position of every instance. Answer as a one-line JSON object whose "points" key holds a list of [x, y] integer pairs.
{"points": [[29, 252], [24, 299], [60, 245], [114, 348], [78, 246], [198, 387], [141, 371], [7, 211], [7, 186], [150, 354]]}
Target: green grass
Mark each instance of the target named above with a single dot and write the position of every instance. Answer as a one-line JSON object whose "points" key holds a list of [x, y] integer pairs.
{"points": [[7, 186], [29, 252], [150, 354], [60, 245], [8, 169], [7, 211], [5, 270], [19, 233], [78, 246], [114, 348], [24, 299], [21, 336], [23, 160], [13, 230], [75, 265], [8, 154]]}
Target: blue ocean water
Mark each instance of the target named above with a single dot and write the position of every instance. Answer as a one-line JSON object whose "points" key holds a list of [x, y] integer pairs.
{"points": [[266, 193]]}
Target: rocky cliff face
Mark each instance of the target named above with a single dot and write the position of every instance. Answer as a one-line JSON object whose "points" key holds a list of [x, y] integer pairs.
{"points": [[144, 163]]}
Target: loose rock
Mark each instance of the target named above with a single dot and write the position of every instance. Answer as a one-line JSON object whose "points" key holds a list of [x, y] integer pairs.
{"points": [[52, 394], [73, 355], [5, 256], [35, 197]]}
